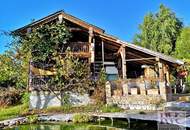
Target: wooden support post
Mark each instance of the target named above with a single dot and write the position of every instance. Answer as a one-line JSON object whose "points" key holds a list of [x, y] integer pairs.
{"points": [[60, 17], [128, 119], [91, 41], [103, 53], [160, 69], [29, 76], [123, 62], [111, 121], [99, 118], [166, 74]]}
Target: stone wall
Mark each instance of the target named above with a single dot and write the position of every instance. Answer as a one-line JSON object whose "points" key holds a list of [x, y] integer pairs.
{"points": [[138, 102], [138, 98], [44, 99]]}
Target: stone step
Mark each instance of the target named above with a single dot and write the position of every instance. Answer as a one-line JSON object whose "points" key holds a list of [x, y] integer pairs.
{"points": [[184, 98], [177, 105], [176, 109]]}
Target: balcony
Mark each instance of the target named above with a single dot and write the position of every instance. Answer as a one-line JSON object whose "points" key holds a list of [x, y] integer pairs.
{"points": [[80, 49]]}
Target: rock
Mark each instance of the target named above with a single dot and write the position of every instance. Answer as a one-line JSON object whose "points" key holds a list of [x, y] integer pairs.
{"points": [[1, 125], [57, 117], [12, 122]]}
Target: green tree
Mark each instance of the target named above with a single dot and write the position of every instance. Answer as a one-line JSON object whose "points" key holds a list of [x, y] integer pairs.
{"points": [[36, 46], [14, 63], [159, 31], [183, 51], [11, 71], [72, 75], [47, 44], [183, 45], [6, 70], [99, 94], [42, 42]]}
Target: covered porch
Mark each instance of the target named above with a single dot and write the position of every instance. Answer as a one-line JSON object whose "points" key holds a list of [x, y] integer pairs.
{"points": [[133, 70]]}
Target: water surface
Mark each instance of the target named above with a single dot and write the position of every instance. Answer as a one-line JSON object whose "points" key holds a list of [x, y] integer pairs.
{"points": [[105, 125]]}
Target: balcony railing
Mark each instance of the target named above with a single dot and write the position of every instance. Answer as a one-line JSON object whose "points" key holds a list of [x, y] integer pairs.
{"points": [[78, 47]]}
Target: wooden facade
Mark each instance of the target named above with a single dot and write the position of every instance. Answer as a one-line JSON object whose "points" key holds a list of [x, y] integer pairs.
{"points": [[120, 59]]}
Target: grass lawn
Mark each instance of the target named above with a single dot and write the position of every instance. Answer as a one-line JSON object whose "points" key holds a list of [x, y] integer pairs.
{"points": [[12, 111], [84, 109]]}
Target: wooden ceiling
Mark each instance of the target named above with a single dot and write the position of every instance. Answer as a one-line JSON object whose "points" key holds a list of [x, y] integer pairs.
{"points": [[141, 58]]}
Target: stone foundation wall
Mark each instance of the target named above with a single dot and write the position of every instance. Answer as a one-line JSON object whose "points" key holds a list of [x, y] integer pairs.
{"points": [[44, 99], [139, 97], [138, 102]]}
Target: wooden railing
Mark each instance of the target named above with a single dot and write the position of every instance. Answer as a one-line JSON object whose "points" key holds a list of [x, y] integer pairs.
{"points": [[78, 47]]}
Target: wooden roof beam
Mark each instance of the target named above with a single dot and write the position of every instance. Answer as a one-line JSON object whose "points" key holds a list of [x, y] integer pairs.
{"points": [[138, 59], [147, 61]]}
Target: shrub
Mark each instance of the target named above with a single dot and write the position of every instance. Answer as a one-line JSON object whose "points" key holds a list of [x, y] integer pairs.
{"points": [[82, 118], [10, 97], [187, 88], [72, 109], [25, 98], [142, 112], [111, 108], [32, 119], [99, 94]]}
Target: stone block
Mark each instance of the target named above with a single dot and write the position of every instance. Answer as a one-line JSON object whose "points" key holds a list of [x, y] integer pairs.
{"points": [[162, 88], [117, 92], [134, 91], [184, 98], [142, 89], [44, 99], [125, 89], [108, 89], [152, 92]]}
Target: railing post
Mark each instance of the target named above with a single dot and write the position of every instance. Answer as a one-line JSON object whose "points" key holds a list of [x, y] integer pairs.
{"points": [[125, 88], [108, 90], [163, 91]]}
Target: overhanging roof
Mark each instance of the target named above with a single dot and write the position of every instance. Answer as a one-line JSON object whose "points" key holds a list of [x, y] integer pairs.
{"points": [[65, 16], [102, 34], [142, 49], [153, 53]]}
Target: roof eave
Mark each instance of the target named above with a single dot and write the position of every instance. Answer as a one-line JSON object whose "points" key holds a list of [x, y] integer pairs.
{"points": [[53, 16], [153, 53]]}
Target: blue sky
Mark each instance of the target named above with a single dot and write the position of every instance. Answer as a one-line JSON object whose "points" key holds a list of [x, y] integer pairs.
{"points": [[118, 17]]}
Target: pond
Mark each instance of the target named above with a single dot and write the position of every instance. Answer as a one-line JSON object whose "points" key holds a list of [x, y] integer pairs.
{"points": [[118, 125]]}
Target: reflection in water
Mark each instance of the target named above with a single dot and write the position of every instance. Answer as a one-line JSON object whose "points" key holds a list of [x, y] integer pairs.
{"points": [[105, 125], [64, 127]]}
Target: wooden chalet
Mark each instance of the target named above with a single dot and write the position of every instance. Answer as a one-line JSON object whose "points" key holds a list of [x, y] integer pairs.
{"points": [[119, 58]]}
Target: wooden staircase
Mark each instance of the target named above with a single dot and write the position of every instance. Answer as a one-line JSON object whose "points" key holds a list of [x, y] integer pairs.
{"points": [[96, 68]]}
